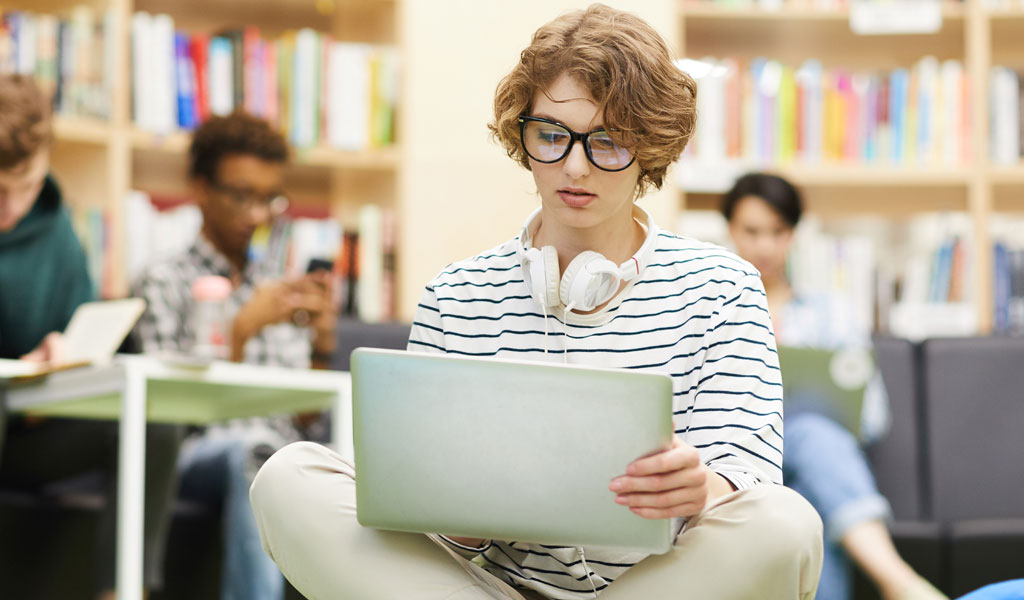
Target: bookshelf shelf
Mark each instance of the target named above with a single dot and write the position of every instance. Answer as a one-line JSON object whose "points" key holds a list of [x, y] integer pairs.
{"points": [[805, 15], [1007, 176], [376, 159], [82, 130], [865, 175]]}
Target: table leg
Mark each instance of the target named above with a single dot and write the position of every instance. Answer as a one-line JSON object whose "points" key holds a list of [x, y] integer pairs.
{"points": [[131, 474], [341, 423]]}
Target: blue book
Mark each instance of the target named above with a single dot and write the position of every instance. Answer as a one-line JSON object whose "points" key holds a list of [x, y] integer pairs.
{"points": [[1001, 287], [899, 80], [185, 76]]}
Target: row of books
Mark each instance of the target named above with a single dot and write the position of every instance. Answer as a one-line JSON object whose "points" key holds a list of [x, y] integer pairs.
{"points": [[363, 256], [769, 112], [317, 90], [1006, 115], [912, 279], [70, 56]]}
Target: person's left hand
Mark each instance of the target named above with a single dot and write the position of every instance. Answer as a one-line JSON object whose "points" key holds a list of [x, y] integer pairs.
{"points": [[50, 350], [670, 483]]}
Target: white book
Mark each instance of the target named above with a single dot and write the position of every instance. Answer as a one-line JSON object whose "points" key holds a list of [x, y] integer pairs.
{"points": [[711, 108], [371, 264], [1004, 127], [142, 58], [160, 75], [349, 108], [306, 94], [219, 76], [27, 45], [951, 131]]}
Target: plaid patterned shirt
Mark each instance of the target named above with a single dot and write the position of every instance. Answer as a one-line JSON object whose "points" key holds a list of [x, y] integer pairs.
{"points": [[167, 327], [167, 324]]}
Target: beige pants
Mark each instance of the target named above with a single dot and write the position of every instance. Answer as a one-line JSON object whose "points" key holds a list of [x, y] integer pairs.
{"points": [[762, 543]]}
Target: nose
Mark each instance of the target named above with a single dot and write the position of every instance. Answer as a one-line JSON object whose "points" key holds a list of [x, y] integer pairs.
{"points": [[576, 165]]}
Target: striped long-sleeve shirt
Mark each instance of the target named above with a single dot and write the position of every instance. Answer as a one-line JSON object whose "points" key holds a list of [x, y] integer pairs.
{"points": [[697, 313]]}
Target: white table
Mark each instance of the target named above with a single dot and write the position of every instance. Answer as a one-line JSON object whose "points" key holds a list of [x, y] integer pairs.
{"points": [[137, 389]]}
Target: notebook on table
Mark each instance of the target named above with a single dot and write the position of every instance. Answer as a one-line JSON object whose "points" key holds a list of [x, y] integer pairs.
{"points": [[93, 335], [502, 449]]}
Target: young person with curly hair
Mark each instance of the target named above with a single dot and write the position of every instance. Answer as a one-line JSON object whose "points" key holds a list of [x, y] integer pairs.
{"points": [[597, 111]]}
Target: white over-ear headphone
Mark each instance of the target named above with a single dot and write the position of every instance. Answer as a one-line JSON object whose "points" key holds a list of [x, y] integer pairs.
{"points": [[589, 281]]}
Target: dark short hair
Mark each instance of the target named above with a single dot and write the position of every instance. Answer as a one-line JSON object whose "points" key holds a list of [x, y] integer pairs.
{"points": [[237, 133], [25, 126], [780, 194]]}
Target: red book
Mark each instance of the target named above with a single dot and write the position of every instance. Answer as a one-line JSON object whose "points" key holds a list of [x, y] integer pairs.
{"points": [[253, 80], [199, 45], [271, 106]]}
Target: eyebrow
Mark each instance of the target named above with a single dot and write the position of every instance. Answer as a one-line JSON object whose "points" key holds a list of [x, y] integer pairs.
{"points": [[559, 121]]}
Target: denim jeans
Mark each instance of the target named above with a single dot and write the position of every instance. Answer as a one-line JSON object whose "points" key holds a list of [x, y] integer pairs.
{"points": [[824, 463], [213, 472]]}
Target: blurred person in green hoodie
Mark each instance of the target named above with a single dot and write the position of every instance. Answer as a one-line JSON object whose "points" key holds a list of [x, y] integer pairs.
{"points": [[43, 279]]}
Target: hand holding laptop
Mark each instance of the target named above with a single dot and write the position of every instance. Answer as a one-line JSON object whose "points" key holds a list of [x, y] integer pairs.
{"points": [[667, 484]]}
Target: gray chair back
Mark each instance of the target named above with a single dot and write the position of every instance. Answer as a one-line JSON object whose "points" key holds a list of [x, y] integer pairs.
{"points": [[896, 459], [974, 416]]}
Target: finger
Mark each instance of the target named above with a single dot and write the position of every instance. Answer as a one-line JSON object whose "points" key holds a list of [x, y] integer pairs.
{"points": [[679, 457], [53, 345], [684, 478], [663, 499], [684, 511]]}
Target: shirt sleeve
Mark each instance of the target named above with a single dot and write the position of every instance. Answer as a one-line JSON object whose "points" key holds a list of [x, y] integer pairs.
{"points": [[427, 333], [161, 328], [735, 420]]}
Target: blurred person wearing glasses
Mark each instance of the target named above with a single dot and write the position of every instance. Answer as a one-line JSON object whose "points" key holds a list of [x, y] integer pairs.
{"points": [[43, 279], [236, 170], [597, 111]]}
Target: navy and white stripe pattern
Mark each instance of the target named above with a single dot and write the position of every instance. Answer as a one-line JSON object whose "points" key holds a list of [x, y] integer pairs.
{"points": [[698, 313]]}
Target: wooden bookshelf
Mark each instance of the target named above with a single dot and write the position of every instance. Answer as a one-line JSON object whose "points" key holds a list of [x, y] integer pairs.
{"points": [[976, 36]]}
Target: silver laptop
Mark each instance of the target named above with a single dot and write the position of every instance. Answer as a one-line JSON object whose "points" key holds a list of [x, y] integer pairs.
{"points": [[829, 382], [508, 450]]}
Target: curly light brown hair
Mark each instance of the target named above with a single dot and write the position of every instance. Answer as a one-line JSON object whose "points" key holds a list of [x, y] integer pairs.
{"points": [[25, 125], [234, 134], [648, 104]]}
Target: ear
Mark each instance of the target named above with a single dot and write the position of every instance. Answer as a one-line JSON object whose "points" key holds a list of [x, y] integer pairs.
{"points": [[199, 190]]}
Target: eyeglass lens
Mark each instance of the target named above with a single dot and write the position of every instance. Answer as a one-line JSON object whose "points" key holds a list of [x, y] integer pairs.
{"points": [[548, 142]]}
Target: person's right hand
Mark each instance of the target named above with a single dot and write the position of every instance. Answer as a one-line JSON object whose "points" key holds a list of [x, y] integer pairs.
{"points": [[50, 350], [275, 302]]}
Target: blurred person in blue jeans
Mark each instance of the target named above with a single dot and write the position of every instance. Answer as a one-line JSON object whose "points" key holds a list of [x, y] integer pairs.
{"points": [[236, 176], [821, 459]]}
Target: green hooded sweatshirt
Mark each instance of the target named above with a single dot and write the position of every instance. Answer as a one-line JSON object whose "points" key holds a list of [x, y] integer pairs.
{"points": [[43, 274]]}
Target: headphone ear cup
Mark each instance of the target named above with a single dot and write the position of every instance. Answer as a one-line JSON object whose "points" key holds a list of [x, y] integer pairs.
{"points": [[589, 281], [540, 266], [550, 275]]}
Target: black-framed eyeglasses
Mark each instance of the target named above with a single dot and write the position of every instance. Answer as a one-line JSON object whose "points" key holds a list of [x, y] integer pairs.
{"points": [[243, 199], [548, 141]]}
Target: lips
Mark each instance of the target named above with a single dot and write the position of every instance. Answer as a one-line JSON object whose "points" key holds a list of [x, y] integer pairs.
{"points": [[575, 197]]}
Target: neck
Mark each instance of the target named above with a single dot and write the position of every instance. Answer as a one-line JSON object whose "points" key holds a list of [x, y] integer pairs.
{"points": [[237, 258], [779, 293], [617, 241]]}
